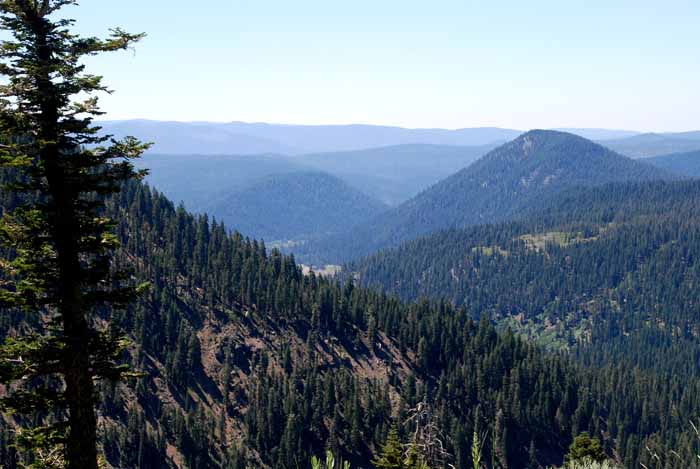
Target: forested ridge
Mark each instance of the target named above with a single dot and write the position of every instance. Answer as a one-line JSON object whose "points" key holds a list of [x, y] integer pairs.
{"points": [[610, 273], [246, 360], [502, 184], [296, 206], [136, 334]]}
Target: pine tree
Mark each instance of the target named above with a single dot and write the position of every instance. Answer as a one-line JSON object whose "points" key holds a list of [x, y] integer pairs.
{"points": [[477, 449], [392, 452], [60, 241]]}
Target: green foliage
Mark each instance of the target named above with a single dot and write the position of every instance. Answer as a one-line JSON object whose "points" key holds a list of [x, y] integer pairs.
{"points": [[623, 275], [299, 400], [202, 278], [587, 463], [585, 448], [329, 463], [58, 243], [477, 449], [391, 455]]}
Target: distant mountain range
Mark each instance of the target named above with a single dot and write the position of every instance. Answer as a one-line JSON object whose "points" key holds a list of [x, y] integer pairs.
{"points": [[508, 180], [211, 164], [242, 138], [655, 144], [391, 174], [396, 173]]}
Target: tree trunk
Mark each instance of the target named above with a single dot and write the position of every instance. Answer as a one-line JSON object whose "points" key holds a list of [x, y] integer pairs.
{"points": [[81, 443]]}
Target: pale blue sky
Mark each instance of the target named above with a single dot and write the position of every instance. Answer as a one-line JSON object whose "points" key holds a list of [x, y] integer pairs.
{"points": [[440, 63]]}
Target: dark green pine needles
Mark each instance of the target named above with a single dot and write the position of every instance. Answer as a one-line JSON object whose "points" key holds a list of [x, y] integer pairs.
{"points": [[57, 243]]}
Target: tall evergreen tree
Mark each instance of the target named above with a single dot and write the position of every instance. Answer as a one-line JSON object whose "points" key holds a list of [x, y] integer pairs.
{"points": [[59, 241]]}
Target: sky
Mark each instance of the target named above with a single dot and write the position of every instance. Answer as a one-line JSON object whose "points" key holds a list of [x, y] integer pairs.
{"points": [[432, 63]]}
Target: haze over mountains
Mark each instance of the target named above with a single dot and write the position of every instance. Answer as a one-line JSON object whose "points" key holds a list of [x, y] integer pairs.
{"points": [[683, 164], [655, 144], [241, 138], [196, 179], [212, 184], [294, 206], [208, 162], [396, 173], [508, 180]]}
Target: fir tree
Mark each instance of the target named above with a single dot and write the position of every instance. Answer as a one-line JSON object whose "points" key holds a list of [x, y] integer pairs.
{"points": [[60, 242], [392, 452]]}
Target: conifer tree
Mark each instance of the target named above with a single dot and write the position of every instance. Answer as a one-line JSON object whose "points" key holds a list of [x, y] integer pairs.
{"points": [[392, 452], [584, 447], [60, 243], [477, 449]]}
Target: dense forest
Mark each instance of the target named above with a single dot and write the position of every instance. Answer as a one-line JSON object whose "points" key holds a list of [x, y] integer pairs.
{"points": [[684, 164], [499, 186], [246, 360], [134, 333], [609, 272], [294, 206]]}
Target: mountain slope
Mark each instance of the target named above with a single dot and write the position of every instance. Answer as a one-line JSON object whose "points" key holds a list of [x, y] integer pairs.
{"points": [[249, 363], [195, 179], [611, 271], [332, 138], [498, 186], [294, 206], [390, 174], [683, 164], [395, 174]]}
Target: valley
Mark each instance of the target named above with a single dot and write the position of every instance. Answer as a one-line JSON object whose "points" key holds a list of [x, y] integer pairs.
{"points": [[349, 236]]}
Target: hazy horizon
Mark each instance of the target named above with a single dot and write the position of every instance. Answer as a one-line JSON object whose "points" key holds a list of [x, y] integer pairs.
{"points": [[107, 119], [447, 64]]}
